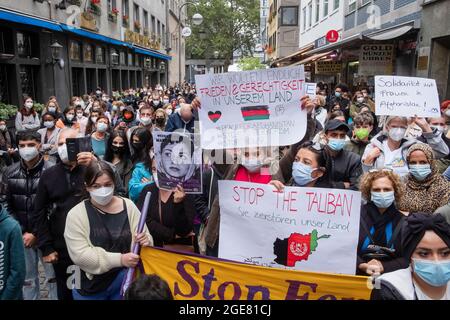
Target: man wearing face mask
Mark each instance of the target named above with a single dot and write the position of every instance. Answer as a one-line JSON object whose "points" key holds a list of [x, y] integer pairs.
{"points": [[338, 98], [19, 184], [362, 128], [389, 148], [439, 124], [59, 190], [184, 120], [344, 167], [156, 102]]}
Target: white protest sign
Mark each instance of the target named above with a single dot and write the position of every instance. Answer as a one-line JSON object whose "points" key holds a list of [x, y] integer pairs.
{"points": [[310, 229], [310, 89], [251, 108], [406, 97]]}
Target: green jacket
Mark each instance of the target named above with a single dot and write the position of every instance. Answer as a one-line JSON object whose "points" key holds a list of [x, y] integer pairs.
{"points": [[12, 258]]}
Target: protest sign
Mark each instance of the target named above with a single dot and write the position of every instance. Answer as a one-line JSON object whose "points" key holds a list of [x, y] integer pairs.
{"points": [[309, 229], [251, 108], [406, 97], [178, 161], [310, 89], [193, 277]]}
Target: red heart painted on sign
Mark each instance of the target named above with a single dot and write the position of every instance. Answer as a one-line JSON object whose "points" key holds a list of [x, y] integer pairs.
{"points": [[214, 116]]}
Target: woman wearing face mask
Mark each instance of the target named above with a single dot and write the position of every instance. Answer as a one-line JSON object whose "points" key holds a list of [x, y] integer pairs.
{"points": [[389, 147], [100, 137], [426, 246], [68, 120], [118, 153], [160, 120], [27, 118], [380, 224], [94, 115], [49, 137], [169, 109], [426, 189], [100, 233], [116, 112], [81, 120], [52, 106], [141, 143], [170, 216], [358, 102]]}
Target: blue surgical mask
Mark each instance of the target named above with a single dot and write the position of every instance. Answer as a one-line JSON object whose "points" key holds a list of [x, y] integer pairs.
{"points": [[420, 171], [302, 173], [337, 94], [435, 273], [336, 144], [252, 165], [382, 199]]}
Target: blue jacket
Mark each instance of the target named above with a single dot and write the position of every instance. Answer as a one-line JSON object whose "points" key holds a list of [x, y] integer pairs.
{"points": [[135, 186], [12, 258], [175, 122]]}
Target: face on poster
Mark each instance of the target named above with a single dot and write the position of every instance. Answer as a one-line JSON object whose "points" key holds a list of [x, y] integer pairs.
{"points": [[308, 229], [252, 108], [178, 161]]}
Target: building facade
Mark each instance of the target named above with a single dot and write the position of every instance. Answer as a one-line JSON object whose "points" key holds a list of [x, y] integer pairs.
{"points": [[176, 51], [112, 44]]}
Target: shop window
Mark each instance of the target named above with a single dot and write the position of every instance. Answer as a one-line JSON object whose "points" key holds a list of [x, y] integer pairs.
{"points": [[27, 80], [6, 41], [5, 82], [88, 53], [100, 55], [123, 59], [130, 59], [75, 51], [137, 61], [23, 45]]}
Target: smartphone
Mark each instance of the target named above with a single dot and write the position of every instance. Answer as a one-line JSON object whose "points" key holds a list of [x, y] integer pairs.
{"points": [[77, 145]]}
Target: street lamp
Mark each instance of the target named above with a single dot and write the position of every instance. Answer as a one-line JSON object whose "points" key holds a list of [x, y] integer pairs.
{"points": [[216, 54], [197, 20]]}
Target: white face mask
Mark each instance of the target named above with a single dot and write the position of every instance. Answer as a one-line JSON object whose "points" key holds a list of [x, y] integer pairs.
{"points": [[146, 121], [94, 119], [103, 195], [28, 153], [166, 101], [49, 124], [252, 165], [29, 105], [447, 112], [70, 117], [156, 102], [440, 129], [397, 134], [360, 100], [52, 109], [98, 92], [82, 104], [63, 155], [2, 127]]}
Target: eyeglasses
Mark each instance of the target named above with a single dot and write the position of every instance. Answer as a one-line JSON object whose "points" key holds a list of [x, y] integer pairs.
{"points": [[381, 170]]}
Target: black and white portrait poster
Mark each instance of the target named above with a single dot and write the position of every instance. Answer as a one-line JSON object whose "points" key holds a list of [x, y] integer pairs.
{"points": [[178, 161]]}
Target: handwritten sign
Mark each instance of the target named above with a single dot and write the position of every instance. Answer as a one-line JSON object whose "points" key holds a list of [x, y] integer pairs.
{"points": [[406, 96], [309, 229], [251, 108]]}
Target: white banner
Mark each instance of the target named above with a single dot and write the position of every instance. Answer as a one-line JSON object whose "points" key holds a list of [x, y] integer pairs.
{"points": [[309, 229], [406, 97], [251, 108]]}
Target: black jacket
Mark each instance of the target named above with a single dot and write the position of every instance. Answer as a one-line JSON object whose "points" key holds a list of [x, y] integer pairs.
{"points": [[345, 167], [20, 186], [59, 190], [381, 223]]}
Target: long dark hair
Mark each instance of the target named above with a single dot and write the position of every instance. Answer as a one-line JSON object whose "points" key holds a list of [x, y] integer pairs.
{"points": [[95, 170], [323, 159], [142, 155], [109, 155]]}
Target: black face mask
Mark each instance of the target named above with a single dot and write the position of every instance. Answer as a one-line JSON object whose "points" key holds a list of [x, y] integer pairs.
{"points": [[118, 150], [138, 145], [160, 121]]}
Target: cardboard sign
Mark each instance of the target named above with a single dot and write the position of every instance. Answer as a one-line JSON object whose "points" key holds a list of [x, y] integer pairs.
{"points": [[406, 97], [251, 108], [310, 229]]}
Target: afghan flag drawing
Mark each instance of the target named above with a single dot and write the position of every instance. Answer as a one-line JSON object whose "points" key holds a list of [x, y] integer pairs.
{"points": [[255, 113]]}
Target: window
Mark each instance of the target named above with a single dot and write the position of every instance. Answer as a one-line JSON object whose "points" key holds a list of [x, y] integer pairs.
{"points": [[336, 4], [23, 45], [100, 55], [153, 24], [75, 51], [88, 53], [309, 14], [125, 8], [289, 16], [111, 5], [130, 59], [351, 5], [363, 2], [114, 57], [317, 12], [6, 41], [304, 18], [145, 20], [137, 61], [123, 58], [163, 35], [325, 8], [27, 80], [159, 29]]}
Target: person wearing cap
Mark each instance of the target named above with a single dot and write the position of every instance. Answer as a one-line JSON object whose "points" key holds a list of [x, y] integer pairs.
{"points": [[343, 167], [426, 245], [20, 185], [389, 147]]}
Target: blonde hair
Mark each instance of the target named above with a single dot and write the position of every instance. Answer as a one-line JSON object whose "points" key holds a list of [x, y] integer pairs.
{"points": [[365, 184]]}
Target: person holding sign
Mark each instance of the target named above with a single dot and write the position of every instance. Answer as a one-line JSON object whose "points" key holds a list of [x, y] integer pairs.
{"points": [[426, 189], [426, 245], [380, 224], [389, 147]]}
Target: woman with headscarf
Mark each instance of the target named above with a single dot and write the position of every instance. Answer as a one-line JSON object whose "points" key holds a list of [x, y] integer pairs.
{"points": [[389, 147], [426, 189], [426, 245]]}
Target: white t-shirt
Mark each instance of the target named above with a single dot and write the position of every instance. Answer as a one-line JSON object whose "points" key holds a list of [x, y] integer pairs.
{"points": [[422, 296], [394, 160]]}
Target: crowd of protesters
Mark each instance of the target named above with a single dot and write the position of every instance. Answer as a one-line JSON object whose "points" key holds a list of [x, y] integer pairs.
{"points": [[83, 212]]}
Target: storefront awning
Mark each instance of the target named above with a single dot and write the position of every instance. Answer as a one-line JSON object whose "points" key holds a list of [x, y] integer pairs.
{"points": [[18, 18], [388, 34], [336, 45], [295, 54], [313, 58], [152, 53]]}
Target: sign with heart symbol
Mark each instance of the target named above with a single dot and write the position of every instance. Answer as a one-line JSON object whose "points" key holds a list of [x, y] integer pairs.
{"points": [[214, 116]]}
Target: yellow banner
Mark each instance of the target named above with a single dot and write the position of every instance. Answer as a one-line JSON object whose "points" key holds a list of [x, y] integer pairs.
{"points": [[201, 278]]}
